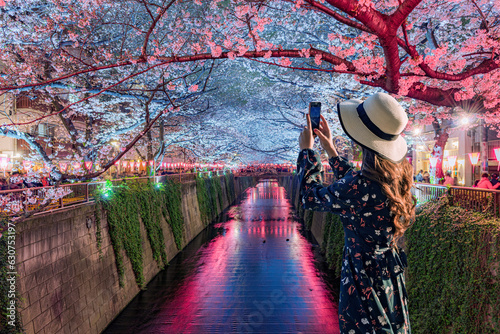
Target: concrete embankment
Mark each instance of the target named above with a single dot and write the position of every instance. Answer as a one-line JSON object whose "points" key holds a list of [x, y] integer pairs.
{"points": [[68, 280]]}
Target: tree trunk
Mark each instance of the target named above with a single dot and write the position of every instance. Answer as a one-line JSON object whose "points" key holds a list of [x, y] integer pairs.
{"points": [[441, 139], [150, 170], [484, 147]]}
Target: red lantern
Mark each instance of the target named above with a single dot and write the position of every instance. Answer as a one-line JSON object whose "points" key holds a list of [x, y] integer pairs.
{"points": [[63, 166], [27, 164], [4, 162], [497, 154], [76, 165], [88, 165], [117, 162], [474, 158], [124, 164], [143, 164], [151, 162]]}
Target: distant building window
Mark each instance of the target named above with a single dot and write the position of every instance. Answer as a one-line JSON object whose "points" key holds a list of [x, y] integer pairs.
{"points": [[43, 130], [24, 102]]}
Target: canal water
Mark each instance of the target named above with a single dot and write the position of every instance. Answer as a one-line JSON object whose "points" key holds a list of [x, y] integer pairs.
{"points": [[257, 271]]}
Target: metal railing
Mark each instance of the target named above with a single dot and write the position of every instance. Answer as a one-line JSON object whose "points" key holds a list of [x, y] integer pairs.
{"points": [[427, 192], [263, 174], [475, 199], [16, 201]]}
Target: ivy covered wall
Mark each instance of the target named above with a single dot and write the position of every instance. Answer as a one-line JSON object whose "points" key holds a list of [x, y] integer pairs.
{"points": [[129, 204], [79, 267]]}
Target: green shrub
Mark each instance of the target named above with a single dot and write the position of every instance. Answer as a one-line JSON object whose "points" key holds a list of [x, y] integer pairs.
{"points": [[452, 253]]}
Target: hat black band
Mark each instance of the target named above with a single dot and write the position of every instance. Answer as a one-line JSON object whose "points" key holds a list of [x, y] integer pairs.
{"points": [[372, 127]]}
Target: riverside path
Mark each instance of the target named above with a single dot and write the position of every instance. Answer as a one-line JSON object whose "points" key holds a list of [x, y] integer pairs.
{"points": [[257, 271]]}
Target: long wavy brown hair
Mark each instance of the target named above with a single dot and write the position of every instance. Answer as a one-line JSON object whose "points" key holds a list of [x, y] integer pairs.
{"points": [[396, 180]]}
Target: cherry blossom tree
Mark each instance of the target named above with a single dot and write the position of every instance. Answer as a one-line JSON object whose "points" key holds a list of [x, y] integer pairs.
{"points": [[439, 57]]}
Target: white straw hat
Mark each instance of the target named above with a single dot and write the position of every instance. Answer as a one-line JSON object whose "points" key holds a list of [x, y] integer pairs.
{"points": [[376, 124]]}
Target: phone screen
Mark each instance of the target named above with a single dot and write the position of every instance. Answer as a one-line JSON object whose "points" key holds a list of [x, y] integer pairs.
{"points": [[315, 112]]}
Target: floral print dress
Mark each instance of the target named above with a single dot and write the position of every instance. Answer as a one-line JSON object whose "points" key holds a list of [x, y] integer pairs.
{"points": [[373, 296]]}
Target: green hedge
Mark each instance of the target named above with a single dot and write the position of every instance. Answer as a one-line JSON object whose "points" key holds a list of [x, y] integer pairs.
{"points": [[454, 268], [452, 254], [131, 203]]}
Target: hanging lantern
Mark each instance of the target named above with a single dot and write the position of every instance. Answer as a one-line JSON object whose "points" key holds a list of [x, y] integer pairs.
{"points": [[452, 159], [76, 165], [117, 162], [359, 163], [88, 165], [474, 158], [143, 163], [27, 164], [4, 162], [124, 164], [433, 161], [497, 154], [151, 162]]}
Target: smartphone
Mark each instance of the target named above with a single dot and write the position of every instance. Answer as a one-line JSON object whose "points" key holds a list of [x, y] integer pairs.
{"points": [[314, 113]]}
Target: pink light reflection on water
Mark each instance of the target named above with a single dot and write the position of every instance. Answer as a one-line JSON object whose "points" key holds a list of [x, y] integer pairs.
{"points": [[236, 273]]}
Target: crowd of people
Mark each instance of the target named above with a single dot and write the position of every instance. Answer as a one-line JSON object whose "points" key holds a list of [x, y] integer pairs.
{"points": [[486, 181], [17, 180], [274, 169]]}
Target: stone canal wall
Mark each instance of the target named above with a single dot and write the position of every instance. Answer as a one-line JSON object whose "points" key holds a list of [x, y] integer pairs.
{"points": [[68, 285], [453, 277]]}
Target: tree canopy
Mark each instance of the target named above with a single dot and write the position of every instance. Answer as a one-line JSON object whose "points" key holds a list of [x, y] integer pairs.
{"points": [[225, 77]]}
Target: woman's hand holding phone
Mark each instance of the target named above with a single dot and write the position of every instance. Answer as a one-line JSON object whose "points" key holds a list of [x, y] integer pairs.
{"points": [[306, 139], [325, 137]]}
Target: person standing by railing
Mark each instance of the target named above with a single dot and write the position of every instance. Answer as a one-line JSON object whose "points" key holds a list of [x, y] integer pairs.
{"points": [[420, 176], [426, 177], [16, 181], [3, 184], [448, 180], [485, 183], [494, 179]]}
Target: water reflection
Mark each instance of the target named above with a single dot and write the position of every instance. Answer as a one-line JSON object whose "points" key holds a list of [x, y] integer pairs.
{"points": [[254, 272]]}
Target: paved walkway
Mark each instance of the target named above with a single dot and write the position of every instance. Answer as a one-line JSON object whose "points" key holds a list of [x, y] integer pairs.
{"points": [[254, 273]]}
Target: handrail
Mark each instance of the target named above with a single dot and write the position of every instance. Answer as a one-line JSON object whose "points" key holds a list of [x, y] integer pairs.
{"points": [[477, 199], [30, 199]]}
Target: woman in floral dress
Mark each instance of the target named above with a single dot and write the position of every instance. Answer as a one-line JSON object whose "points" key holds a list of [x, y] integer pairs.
{"points": [[375, 206]]}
